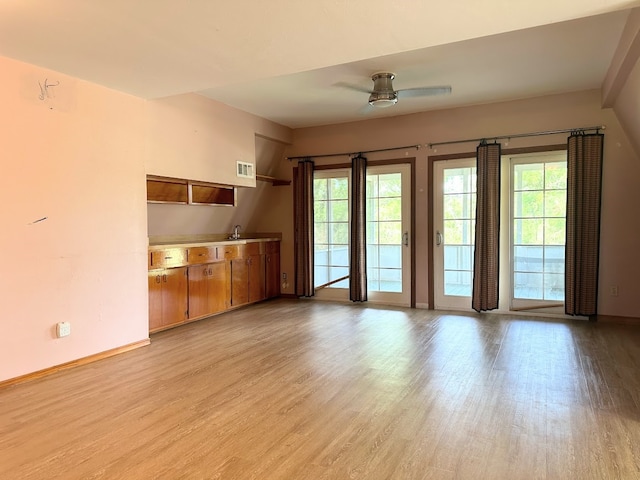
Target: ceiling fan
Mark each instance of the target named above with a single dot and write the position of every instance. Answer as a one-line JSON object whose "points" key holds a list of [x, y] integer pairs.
{"points": [[383, 94]]}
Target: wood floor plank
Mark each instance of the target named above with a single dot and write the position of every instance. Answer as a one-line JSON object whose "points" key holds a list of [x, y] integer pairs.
{"points": [[296, 389]]}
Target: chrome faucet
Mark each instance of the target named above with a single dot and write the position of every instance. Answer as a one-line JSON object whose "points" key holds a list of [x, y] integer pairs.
{"points": [[236, 233]]}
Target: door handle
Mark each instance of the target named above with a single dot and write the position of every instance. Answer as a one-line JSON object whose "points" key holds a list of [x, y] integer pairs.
{"points": [[405, 239], [438, 238]]}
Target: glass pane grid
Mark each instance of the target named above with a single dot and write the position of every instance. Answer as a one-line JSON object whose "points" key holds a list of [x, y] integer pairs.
{"points": [[539, 199], [331, 230], [384, 232]]}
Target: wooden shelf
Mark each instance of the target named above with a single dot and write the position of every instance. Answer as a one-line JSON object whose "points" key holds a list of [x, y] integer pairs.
{"points": [[276, 182], [187, 192]]}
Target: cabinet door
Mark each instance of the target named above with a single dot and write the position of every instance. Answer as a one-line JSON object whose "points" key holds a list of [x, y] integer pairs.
{"points": [[273, 275], [155, 299], [198, 291], [256, 278], [239, 281], [175, 301], [217, 281]]}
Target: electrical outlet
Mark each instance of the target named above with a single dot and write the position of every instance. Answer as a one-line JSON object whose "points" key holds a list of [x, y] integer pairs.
{"points": [[63, 329], [613, 290]]}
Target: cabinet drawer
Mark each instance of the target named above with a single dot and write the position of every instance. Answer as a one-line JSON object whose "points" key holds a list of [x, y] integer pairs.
{"points": [[198, 255], [167, 257], [232, 251]]}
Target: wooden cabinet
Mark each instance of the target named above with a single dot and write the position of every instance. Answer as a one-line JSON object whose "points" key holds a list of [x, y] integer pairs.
{"points": [[272, 269], [239, 281], [248, 275], [198, 281], [168, 297], [207, 289]]}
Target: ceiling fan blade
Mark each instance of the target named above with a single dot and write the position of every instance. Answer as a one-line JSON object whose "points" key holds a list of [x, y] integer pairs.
{"points": [[352, 86], [424, 91]]}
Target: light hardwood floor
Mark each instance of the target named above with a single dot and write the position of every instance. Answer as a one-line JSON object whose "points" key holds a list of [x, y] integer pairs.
{"points": [[293, 389]]}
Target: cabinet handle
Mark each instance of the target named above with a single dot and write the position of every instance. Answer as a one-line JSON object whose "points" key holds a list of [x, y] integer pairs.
{"points": [[201, 254], [205, 272], [210, 273], [168, 258], [164, 278], [158, 280]]}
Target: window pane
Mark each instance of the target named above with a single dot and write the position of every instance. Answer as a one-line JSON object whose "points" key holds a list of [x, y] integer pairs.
{"points": [[320, 189], [459, 206], [338, 189], [390, 280], [459, 180], [339, 233], [458, 257], [554, 286], [389, 185], [528, 285], [339, 272], [528, 177], [390, 209], [372, 256], [320, 212], [555, 175], [554, 231], [390, 256], [527, 204], [554, 259], [321, 233], [390, 233], [320, 255], [528, 259], [457, 283], [339, 255], [555, 203], [372, 232], [339, 211], [528, 231], [320, 275], [459, 232]]}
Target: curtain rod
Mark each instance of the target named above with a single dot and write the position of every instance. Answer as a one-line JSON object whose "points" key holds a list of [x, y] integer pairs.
{"points": [[417, 147], [518, 135]]}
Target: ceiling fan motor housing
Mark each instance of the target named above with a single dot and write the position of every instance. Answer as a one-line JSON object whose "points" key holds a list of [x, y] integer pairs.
{"points": [[383, 94]]}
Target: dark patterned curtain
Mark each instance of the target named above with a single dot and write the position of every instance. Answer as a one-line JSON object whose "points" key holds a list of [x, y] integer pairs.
{"points": [[584, 185], [486, 265], [358, 258], [303, 227]]}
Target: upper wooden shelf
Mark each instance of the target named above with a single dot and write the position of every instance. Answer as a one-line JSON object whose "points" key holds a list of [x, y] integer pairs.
{"points": [[177, 190], [276, 182]]}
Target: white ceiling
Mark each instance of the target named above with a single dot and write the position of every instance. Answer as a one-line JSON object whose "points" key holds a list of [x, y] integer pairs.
{"points": [[282, 59]]}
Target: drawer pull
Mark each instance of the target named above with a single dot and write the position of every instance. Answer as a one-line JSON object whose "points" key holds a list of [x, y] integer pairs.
{"points": [[168, 258], [201, 254]]}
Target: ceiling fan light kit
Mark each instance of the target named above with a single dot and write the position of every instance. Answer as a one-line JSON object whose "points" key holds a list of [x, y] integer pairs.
{"points": [[383, 94]]}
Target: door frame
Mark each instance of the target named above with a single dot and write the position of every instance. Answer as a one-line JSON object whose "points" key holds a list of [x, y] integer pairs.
{"points": [[412, 198], [430, 198]]}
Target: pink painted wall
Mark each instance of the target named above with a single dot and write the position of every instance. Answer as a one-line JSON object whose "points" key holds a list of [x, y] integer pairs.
{"points": [[620, 223], [78, 154], [167, 219], [73, 154], [196, 138], [627, 106]]}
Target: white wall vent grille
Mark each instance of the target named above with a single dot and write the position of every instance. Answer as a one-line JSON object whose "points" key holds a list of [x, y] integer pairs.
{"points": [[245, 170]]}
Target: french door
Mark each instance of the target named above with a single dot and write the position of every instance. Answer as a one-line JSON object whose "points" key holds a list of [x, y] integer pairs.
{"points": [[388, 246], [454, 212], [531, 240]]}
